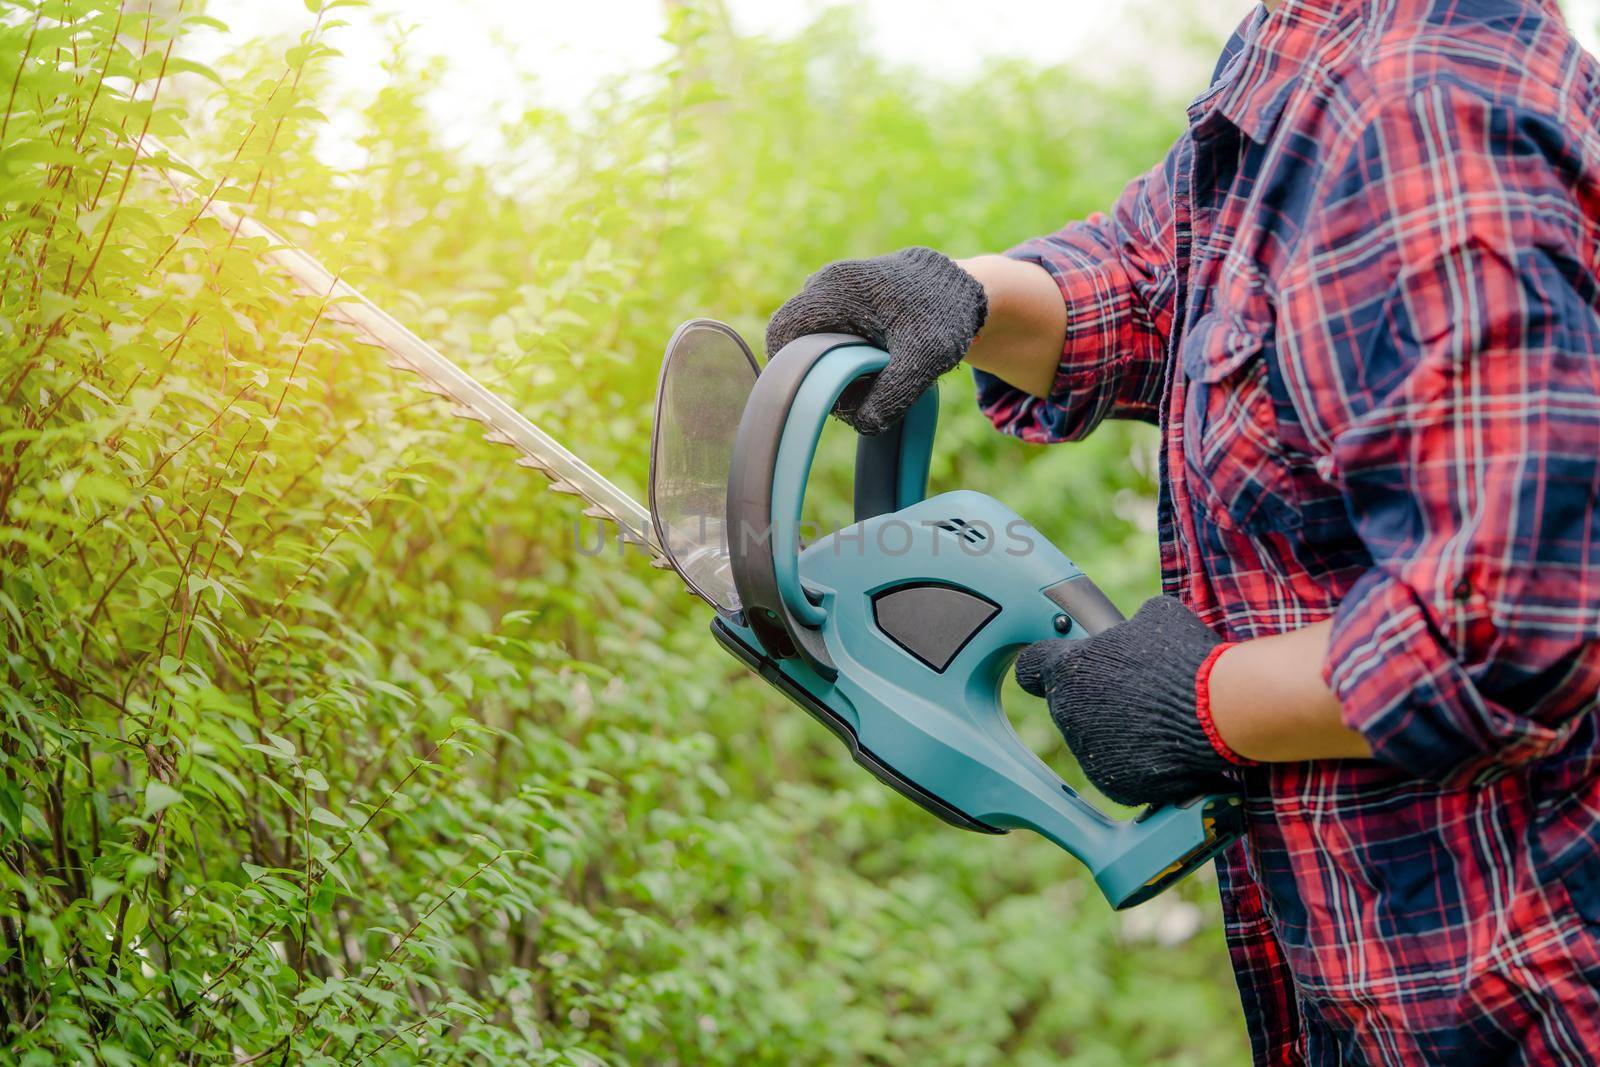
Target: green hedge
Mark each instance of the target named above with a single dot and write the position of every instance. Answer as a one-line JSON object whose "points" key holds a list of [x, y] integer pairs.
{"points": [[321, 744]]}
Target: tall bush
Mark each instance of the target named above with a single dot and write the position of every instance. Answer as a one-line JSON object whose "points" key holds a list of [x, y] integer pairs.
{"points": [[321, 743]]}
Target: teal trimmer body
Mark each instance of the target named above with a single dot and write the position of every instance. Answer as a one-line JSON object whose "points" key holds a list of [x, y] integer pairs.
{"points": [[897, 631]]}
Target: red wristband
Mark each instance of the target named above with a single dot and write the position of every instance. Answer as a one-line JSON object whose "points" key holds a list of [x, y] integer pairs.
{"points": [[1202, 707]]}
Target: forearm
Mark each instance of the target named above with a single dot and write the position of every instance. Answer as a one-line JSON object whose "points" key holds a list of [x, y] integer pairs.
{"points": [[1022, 338], [1269, 702]]}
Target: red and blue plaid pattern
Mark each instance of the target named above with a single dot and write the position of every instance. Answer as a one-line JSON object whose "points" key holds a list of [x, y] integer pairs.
{"points": [[1360, 297]]}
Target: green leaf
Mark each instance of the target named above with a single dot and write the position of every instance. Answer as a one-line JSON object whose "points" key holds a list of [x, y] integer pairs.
{"points": [[242, 559], [181, 64], [322, 900], [327, 818], [10, 808], [159, 796]]}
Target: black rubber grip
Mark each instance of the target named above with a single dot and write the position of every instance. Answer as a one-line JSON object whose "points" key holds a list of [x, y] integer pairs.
{"points": [[749, 506]]}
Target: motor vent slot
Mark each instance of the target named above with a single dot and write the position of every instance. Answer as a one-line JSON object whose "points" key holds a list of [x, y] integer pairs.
{"points": [[973, 533]]}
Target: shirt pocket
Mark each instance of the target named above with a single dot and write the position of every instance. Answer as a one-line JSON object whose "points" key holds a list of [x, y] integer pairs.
{"points": [[1232, 441]]}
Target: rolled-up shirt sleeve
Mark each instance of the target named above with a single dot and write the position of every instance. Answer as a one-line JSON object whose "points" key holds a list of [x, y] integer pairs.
{"points": [[1116, 272], [1469, 447]]}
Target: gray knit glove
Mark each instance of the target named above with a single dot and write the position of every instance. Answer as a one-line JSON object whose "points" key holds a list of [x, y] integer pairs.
{"points": [[1125, 701], [915, 303]]}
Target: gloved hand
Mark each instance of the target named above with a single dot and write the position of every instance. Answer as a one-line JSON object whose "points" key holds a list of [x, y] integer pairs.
{"points": [[1126, 703], [915, 303]]}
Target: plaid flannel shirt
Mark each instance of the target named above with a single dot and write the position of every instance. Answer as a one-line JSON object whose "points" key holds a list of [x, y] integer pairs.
{"points": [[1360, 298]]}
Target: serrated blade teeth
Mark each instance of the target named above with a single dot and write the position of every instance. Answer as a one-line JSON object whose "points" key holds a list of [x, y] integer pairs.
{"points": [[660, 563], [337, 301], [495, 437]]}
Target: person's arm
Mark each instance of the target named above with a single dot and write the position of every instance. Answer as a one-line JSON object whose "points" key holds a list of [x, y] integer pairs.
{"points": [[1468, 447], [1062, 331], [1021, 341], [1158, 709], [1270, 704], [1467, 443], [1079, 319]]}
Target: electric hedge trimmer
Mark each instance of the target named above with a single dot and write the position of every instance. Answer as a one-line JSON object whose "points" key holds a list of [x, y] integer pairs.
{"points": [[895, 632]]}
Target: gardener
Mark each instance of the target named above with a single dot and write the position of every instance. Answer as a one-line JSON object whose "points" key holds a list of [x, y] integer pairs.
{"points": [[1359, 297]]}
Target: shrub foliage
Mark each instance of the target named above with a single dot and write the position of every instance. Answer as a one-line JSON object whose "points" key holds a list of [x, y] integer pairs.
{"points": [[320, 743]]}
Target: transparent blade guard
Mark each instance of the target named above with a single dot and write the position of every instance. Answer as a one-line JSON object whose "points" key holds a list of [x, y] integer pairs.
{"points": [[706, 377]]}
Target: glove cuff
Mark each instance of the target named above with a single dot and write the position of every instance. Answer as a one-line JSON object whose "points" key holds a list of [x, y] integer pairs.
{"points": [[1202, 708], [950, 292]]}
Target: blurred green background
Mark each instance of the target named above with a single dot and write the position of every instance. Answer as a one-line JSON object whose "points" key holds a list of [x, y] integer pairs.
{"points": [[320, 743]]}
